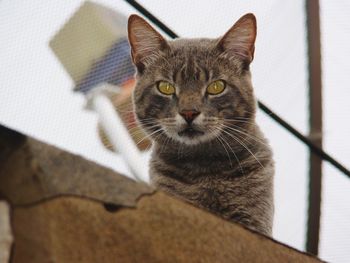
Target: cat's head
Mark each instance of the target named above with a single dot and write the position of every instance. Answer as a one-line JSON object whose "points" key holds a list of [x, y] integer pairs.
{"points": [[193, 90]]}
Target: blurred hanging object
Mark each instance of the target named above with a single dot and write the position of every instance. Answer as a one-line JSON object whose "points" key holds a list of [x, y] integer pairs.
{"points": [[123, 105], [93, 48]]}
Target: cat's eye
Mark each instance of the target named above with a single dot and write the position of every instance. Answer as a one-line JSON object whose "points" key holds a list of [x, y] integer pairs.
{"points": [[166, 88], [216, 87]]}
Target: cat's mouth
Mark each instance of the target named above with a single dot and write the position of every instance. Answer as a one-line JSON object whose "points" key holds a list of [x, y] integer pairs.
{"points": [[190, 132]]}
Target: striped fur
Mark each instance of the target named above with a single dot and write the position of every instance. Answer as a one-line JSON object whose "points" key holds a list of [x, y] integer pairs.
{"points": [[227, 167]]}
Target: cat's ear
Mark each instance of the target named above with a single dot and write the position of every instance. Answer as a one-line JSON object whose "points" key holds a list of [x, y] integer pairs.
{"points": [[146, 43], [240, 38]]}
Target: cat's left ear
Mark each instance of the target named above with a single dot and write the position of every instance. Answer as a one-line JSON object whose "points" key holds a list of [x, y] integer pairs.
{"points": [[239, 40]]}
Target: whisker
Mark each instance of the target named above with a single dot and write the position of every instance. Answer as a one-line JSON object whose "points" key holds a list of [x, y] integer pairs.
{"points": [[228, 155], [138, 128], [237, 120], [167, 140], [241, 143], [246, 134], [140, 122], [149, 135], [234, 154]]}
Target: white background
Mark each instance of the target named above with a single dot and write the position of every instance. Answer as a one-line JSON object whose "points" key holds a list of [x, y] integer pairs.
{"points": [[36, 93]]}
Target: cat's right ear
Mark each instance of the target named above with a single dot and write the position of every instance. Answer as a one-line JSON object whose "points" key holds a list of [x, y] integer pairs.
{"points": [[240, 38], [146, 43]]}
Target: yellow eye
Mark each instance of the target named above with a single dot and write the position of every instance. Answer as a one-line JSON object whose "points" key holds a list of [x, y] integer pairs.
{"points": [[166, 88], [216, 87]]}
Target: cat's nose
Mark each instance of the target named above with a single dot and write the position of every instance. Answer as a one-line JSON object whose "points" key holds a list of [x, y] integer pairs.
{"points": [[189, 115]]}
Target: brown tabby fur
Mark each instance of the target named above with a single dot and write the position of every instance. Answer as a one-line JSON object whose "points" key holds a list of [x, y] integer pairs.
{"points": [[226, 166]]}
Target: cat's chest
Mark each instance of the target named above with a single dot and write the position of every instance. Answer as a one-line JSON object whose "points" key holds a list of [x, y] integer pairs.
{"points": [[205, 192], [217, 197]]}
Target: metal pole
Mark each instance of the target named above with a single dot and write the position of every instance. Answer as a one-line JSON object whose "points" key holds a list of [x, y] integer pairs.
{"points": [[315, 121]]}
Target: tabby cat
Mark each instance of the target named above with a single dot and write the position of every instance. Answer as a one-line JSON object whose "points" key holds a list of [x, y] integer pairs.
{"points": [[195, 99]]}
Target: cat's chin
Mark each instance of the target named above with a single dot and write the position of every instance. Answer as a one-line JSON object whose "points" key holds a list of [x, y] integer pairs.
{"points": [[192, 141], [190, 133], [192, 137]]}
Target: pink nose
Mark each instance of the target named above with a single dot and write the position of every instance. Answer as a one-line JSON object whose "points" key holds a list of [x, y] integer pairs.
{"points": [[189, 115]]}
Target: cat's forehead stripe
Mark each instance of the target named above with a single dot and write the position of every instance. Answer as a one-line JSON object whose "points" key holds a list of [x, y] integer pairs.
{"points": [[190, 70]]}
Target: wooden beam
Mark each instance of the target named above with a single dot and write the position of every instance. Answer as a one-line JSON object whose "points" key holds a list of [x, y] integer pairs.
{"points": [[315, 122]]}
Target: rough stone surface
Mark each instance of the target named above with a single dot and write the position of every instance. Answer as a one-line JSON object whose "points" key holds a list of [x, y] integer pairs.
{"points": [[32, 171], [160, 229], [67, 209]]}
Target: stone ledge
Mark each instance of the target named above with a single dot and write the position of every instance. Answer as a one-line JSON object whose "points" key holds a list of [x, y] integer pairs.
{"points": [[67, 209]]}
